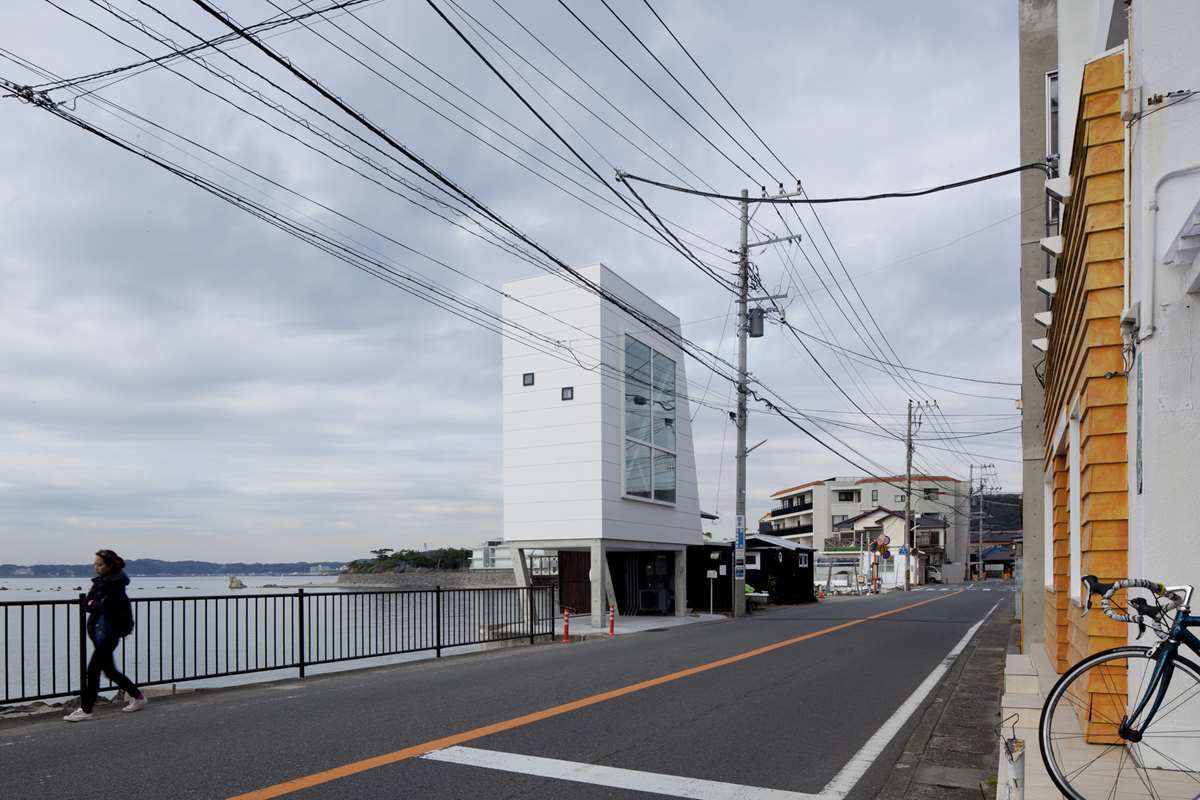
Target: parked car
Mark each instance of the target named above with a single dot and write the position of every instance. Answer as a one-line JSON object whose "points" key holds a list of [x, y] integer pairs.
{"points": [[933, 575]]}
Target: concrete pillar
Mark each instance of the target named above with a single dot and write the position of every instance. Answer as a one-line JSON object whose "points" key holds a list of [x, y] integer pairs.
{"points": [[599, 566], [520, 568], [681, 598]]}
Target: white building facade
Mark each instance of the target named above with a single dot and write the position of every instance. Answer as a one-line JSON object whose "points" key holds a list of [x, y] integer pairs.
{"points": [[598, 460], [807, 513]]}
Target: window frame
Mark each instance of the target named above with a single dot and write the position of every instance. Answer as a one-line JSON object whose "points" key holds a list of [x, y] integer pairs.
{"points": [[627, 440], [567, 393], [527, 378], [1052, 111]]}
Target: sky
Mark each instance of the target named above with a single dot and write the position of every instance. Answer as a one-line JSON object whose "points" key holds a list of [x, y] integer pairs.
{"points": [[183, 380]]}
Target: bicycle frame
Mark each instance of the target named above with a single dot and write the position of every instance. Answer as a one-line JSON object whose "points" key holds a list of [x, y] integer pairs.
{"points": [[1165, 653]]}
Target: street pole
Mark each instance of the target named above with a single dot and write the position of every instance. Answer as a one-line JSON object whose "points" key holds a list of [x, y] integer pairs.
{"points": [[971, 515], [739, 552], [908, 544]]}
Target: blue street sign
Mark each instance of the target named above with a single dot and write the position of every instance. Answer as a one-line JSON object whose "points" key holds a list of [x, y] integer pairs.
{"points": [[903, 550]]}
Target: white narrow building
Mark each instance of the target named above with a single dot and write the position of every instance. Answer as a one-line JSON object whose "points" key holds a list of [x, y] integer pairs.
{"points": [[598, 461]]}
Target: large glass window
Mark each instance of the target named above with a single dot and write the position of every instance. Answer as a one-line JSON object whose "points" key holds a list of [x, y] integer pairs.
{"points": [[650, 417]]}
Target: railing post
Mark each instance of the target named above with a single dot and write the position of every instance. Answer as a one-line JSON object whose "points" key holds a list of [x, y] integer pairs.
{"points": [[82, 643], [437, 613], [301, 639], [529, 601]]}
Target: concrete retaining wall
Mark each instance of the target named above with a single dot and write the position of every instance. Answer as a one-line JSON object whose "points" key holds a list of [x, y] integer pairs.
{"points": [[429, 578]]}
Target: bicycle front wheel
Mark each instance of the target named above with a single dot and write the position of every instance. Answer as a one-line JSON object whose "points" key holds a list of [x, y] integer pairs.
{"points": [[1083, 749]]}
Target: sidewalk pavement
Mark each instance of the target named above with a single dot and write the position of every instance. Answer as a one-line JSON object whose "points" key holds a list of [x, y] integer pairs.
{"points": [[1027, 681], [581, 627], [953, 753]]}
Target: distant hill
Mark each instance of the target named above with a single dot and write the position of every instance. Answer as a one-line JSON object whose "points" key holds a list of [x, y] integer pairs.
{"points": [[156, 567]]}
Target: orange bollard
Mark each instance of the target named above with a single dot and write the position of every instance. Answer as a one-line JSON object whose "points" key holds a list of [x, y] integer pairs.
{"points": [[566, 626], [612, 621]]}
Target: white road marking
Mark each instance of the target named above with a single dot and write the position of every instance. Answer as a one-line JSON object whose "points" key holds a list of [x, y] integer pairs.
{"points": [[857, 766], [697, 789], [613, 777]]}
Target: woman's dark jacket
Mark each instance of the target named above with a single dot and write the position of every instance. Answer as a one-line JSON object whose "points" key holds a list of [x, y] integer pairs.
{"points": [[108, 604]]}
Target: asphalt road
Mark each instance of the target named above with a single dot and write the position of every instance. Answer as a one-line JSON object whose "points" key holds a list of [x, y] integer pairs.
{"points": [[787, 718]]}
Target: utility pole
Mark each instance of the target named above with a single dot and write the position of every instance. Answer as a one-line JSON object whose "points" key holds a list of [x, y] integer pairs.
{"points": [[743, 391], [739, 547], [978, 514], [908, 542], [971, 515]]}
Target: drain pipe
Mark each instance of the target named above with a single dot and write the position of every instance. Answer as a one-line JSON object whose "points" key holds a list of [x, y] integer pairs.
{"points": [[1150, 255]]}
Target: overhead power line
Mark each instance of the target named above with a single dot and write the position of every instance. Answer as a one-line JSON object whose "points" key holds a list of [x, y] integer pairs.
{"points": [[669, 235], [800, 201], [905, 367], [259, 27]]}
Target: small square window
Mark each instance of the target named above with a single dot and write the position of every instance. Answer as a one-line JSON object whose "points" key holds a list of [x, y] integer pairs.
{"points": [[568, 393], [527, 379]]}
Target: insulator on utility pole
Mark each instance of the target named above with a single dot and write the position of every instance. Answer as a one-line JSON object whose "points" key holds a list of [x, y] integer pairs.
{"points": [[756, 323]]}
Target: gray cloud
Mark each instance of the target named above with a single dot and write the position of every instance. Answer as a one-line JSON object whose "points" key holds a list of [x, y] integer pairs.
{"points": [[182, 380]]}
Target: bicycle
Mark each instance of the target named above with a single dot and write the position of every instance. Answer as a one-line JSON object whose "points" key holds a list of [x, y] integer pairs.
{"points": [[1125, 722]]}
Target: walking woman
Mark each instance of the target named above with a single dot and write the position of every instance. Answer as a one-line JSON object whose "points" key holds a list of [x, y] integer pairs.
{"points": [[110, 619]]}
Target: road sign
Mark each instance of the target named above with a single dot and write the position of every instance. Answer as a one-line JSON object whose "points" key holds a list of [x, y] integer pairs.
{"points": [[740, 572], [712, 573], [903, 550]]}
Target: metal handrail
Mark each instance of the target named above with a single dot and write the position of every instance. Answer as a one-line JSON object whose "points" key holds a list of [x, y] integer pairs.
{"points": [[44, 644]]}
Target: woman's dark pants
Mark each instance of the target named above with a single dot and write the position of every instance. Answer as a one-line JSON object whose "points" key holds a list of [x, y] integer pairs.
{"points": [[102, 662]]}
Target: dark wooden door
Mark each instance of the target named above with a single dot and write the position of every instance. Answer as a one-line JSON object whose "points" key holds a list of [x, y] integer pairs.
{"points": [[574, 585]]}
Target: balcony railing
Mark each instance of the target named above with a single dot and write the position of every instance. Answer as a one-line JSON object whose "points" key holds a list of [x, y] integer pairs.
{"points": [[843, 543], [779, 512], [794, 530]]}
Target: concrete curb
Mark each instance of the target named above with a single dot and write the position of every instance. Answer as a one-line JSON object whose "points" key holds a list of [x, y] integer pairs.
{"points": [[953, 752]]}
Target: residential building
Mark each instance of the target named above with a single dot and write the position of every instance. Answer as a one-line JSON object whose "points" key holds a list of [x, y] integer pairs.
{"points": [[598, 461], [810, 512], [853, 536], [1121, 416]]}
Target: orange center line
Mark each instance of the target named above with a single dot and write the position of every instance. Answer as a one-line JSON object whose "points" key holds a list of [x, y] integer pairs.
{"points": [[417, 750]]}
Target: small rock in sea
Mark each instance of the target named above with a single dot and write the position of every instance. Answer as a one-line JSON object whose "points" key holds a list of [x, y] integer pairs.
{"points": [[3, 588], [79, 588]]}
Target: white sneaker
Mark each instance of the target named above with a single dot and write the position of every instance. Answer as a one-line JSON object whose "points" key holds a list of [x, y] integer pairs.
{"points": [[135, 704], [78, 715]]}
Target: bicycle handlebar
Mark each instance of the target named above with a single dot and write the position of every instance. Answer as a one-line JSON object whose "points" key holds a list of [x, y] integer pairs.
{"points": [[1106, 590]]}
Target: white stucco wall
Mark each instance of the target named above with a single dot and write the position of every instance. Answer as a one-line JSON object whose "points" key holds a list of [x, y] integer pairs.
{"points": [[563, 467], [1162, 537]]}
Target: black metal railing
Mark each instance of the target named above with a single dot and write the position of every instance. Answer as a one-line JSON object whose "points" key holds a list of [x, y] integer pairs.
{"points": [[779, 512], [44, 645]]}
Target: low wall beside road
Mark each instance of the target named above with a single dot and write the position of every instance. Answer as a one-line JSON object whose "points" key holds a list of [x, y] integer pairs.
{"points": [[429, 578]]}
